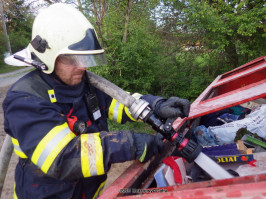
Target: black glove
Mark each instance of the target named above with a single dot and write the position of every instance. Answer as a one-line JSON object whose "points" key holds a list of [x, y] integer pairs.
{"points": [[147, 145], [172, 108]]}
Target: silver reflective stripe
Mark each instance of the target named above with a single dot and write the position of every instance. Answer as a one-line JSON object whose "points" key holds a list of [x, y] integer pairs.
{"points": [[115, 112], [51, 145], [17, 148], [92, 155]]}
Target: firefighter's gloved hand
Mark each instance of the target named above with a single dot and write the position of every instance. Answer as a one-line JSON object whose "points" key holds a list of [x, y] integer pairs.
{"points": [[147, 145], [172, 108]]}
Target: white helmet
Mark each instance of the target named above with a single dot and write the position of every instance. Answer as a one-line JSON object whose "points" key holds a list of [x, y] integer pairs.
{"points": [[61, 30]]}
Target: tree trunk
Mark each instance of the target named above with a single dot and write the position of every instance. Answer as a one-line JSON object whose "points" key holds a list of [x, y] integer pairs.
{"points": [[232, 55], [4, 27], [124, 40], [79, 6], [99, 15]]}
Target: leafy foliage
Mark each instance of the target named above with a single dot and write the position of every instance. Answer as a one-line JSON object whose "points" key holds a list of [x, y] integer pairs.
{"points": [[19, 23], [167, 47]]}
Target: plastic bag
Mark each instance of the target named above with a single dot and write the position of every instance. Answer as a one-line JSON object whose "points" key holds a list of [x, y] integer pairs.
{"points": [[204, 136], [255, 122]]}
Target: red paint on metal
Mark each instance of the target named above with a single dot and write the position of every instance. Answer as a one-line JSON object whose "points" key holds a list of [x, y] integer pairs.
{"points": [[128, 177], [246, 66], [183, 144], [243, 84], [216, 183], [124, 181], [249, 190], [234, 194], [173, 138], [240, 80]]}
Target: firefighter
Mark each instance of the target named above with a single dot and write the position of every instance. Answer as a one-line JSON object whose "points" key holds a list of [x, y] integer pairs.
{"points": [[58, 121]]}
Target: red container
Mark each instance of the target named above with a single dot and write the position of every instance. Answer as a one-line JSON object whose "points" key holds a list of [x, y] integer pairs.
{"points": [[243, 84]]}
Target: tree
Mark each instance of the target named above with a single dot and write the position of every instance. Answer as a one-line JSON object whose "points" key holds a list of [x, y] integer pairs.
{"points": [[233, 28], [4, 27], [167, 47], [130, 42], [19, 24], [207, 38]]}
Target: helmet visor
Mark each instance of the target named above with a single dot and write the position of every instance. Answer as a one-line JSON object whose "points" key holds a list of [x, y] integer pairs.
{"points": [[83, 60]]}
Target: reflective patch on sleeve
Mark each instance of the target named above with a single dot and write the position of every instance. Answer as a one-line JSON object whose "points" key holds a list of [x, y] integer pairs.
{"points": [[136, 96], [116, 109], [91, 155], [52, 96], [115, 112], [15, 194], [17, 148], [51, 145], [111, 109], [99, 190], [99, 154], [142, 157], [129, 115]]}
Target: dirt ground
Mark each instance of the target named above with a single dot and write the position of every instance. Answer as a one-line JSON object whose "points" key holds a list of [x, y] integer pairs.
{"points": [[7, 192]]}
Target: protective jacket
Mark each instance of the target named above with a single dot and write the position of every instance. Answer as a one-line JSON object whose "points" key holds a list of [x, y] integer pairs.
{"points": [[54, 162]]}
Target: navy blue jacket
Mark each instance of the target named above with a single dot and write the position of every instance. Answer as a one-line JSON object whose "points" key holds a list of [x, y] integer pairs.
{"points": [[55, 162]]}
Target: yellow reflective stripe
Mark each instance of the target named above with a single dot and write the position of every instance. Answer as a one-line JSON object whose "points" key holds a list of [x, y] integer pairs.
{"points": [[51, 145], [54, 153], [20, 154], [91, 155], [40, 147], [52, 96], [14, 141], [116, 111], [98, 154], [119, 113], [136, 96], [111, 109], [128, 114], [84, 155], [99, 190], [17, 148], [143, 154], [15, 194]]}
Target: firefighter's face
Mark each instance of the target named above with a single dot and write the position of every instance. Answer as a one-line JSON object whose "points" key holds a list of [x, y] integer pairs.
{"points": [[68, 73]]}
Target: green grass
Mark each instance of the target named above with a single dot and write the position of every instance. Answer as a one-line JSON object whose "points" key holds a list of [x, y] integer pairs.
{"points": [[7, 68], [137, 127]]}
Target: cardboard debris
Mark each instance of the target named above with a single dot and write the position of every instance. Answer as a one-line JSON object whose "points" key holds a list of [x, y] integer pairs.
{"points": [[243, 149]]}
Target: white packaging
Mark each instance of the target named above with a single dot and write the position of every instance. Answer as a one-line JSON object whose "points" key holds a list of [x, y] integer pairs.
{"points": [[255, 122]]}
